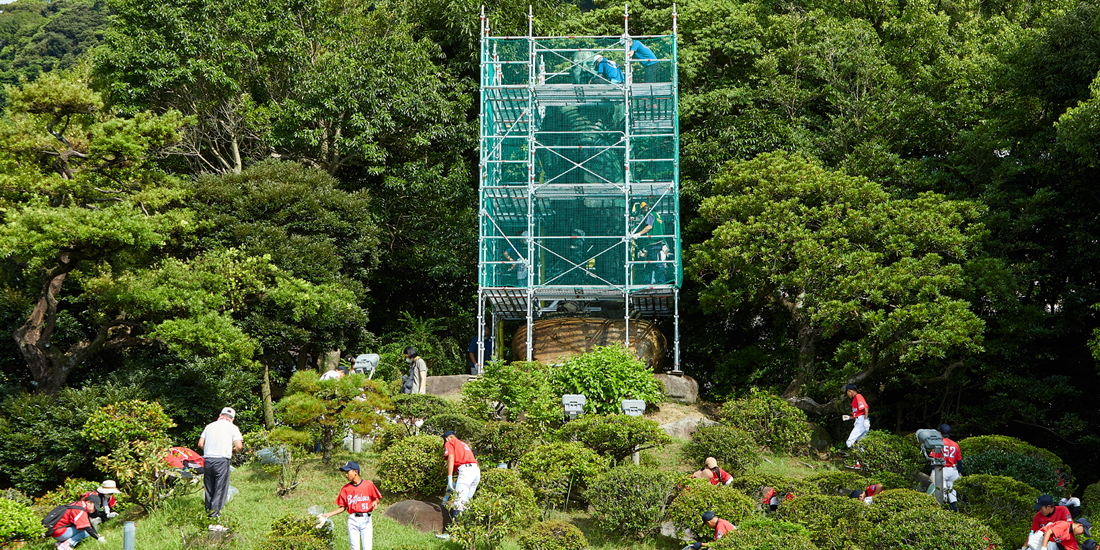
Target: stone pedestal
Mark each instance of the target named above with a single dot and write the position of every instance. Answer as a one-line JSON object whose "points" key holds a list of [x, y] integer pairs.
{"points": [[681, 389], [447, 385], [683, 428]]}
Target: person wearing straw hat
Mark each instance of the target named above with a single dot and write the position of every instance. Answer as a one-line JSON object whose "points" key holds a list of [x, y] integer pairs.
{"points": [[218, 441], [103, 498]]}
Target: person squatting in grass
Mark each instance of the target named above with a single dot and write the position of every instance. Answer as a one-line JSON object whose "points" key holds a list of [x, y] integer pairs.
{"points": [[460, 457], [218, 442], [103, 499], [74, 526], [710, 471], [358, 497], [859, 415]]}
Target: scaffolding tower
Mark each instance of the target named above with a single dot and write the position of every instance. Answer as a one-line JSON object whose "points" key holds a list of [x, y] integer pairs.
{"points": [[579, 178]]}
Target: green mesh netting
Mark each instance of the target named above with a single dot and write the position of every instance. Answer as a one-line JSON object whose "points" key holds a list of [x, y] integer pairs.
{"points": [[579, 156]]}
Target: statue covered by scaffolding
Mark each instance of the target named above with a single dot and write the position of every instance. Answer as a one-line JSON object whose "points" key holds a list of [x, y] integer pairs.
{"points": [[579, 182]]}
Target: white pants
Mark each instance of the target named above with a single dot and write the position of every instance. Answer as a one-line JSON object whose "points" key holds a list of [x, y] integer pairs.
{"points": [[863, 425], [469, 475], [950, 476], [360, 532]]}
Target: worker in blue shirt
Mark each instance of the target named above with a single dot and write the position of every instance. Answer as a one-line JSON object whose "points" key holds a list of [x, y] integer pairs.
{"points": [[642, 54], [608, 69]]}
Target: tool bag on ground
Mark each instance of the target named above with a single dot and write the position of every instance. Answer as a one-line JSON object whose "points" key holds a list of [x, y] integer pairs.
{"points": [[53, 516]]}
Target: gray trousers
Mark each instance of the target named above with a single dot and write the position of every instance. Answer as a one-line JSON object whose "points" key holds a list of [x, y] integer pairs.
{"points": [[215, 480]]}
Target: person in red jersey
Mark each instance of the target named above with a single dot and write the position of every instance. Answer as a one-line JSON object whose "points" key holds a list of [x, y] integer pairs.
{"points": [[74, 526], [358, 497], [1046, 513], [1062, 535], [721, 527], [461, 458], [712, 472], [859, 415], [951, 456]]}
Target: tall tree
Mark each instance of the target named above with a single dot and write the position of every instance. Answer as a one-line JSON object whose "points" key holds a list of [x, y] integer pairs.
{"points": [[871, 275], [82, 196]]}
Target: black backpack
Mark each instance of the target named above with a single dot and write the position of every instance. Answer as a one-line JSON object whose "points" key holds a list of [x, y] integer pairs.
{"points": [[51, 519]]}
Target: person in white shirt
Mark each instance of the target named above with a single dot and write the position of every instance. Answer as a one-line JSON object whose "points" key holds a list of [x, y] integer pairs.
{"points": [[218, 441]]}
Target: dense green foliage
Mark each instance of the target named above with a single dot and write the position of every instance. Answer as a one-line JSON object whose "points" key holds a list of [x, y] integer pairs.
{"points": [[124, 423], [1033, 471], [606, 376], [297, 532], [766, 534], [552, 535], [630, 501], [917, 529], [466, 428], [772, 421], [834, 522], [693, 496], [881, 452], [324, 410], [511, 391], [413, 466], [735, 450], [504, 442], [1002, 503], [615, 436], [559, 472], [18, 522]]}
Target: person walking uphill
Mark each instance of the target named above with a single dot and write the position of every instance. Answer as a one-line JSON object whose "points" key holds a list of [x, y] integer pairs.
{"points": [[859, 414], [358, 498], [218, 441], [460, 457]]}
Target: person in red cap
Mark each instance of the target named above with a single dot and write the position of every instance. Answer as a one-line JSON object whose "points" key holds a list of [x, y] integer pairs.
{"points": [[1062, 535], [460, 457], [359, 497]]}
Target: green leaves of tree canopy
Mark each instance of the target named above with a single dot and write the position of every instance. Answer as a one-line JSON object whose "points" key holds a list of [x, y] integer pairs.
{"points": [[326, 409], [606, 376], [844, 259]]}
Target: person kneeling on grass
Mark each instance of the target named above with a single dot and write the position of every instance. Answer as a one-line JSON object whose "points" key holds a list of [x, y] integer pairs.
{"points": [[74, 526], [359, 498], [1062, 535]]}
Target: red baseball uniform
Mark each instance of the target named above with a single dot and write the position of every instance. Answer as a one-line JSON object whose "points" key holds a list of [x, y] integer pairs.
{"points": [[859, 406], [461, 451], [1062, 533], [871, 490], [951, 453], [358, 499], [722, 477], [721, 528], [1060, 513], [768, 497]]}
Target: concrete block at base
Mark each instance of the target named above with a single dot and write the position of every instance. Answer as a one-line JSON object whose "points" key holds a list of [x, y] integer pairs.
{"points": [[423, 516], [447, 385], [683, 428], [682, 389]]}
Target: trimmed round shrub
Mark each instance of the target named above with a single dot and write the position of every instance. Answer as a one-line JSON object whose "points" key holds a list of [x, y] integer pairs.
{"points": [[122, 423], [606, 376], [735, 449], [1002, 503], [616, 436], [553, 535], [921, 529], [882, 452], [766, 534], [387, 434], [502, 506], [775, 423], [420, 405], [630, 500], [982, 443], [834, 482], [753, 486], [1030, 469], [16, 495], [466, 428], [693, 496], [559, 471], [516, 391], [18, 522], [895, 501], [834, 522], [297, 532], [504, 442], [414, 466], [1090, 500]]}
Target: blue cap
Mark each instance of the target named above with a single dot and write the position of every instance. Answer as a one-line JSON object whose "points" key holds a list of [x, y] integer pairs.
{"points": [[708, 515], [448, 433], [349, 466]]}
